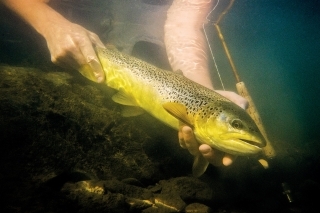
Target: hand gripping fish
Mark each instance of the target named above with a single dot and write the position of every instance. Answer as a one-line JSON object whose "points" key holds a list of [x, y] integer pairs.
{"points": [[172, 98]]}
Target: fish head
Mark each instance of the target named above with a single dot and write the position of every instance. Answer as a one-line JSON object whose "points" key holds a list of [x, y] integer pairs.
{"points": [[229, 128]]}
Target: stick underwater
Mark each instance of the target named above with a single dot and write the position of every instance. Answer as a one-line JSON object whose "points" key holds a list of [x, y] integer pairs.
{"points": [[268, 150]]}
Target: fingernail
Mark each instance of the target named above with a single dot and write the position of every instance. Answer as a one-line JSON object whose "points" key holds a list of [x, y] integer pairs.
{"points": [[100, 79], [204, 149], [226, 161], [98, 71], [186, 130], [243, 106]]}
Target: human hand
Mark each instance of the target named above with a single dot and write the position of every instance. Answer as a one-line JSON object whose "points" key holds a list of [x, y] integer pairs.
{"points": [[216, 157], [71, 46]]}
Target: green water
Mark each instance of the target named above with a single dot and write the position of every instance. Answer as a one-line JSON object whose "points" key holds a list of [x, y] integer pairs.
{"points": [[275, 45]]}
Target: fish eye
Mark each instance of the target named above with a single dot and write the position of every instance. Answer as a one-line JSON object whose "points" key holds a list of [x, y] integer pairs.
{"points": [[237, 124]]}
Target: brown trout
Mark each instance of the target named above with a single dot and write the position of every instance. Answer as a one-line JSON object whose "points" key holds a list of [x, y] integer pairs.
{"points": [[171, 97]]}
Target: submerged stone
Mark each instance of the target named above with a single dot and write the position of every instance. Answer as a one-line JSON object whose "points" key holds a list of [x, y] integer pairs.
{"points": [[188, 188], [197, 208], [170, 201]]}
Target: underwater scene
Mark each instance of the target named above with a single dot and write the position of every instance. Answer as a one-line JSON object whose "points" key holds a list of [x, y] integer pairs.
{"points": [[159, 106]]}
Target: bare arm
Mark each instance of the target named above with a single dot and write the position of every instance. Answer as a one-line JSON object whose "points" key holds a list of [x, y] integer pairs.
{"points": [[70, 45], [186, 49]]}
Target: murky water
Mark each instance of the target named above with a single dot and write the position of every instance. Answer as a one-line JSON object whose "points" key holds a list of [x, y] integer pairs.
{"points": [[275, 46]]}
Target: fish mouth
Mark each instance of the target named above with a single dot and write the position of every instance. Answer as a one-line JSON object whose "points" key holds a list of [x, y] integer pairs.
{"points": [[254, 143], [239, 144]]}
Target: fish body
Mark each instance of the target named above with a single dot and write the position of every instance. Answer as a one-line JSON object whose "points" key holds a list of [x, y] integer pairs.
{"points": [[172, 98]]}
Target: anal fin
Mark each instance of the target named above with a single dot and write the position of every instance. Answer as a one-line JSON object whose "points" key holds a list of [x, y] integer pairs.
{"points": [[199, 166]]}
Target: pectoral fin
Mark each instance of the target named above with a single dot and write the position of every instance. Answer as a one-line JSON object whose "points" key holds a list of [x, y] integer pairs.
{"points": [[179, 111], [124, 99], [199, 166], [130, 107]]}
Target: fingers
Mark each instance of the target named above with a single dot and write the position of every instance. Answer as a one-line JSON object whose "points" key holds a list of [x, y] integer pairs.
{"points": [[66, 54], [216, 157], [181, 140], [95, 39], [97, 70], [228, 159], [91, 58], [213, 156], [71, 46], [187, 140]]}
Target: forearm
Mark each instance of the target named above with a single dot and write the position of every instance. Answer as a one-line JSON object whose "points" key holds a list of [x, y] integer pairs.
{"points": [[35, 12], [185, 42]]}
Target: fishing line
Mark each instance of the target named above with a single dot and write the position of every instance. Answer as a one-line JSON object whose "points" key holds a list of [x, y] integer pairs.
{"points": [[205, 33]]}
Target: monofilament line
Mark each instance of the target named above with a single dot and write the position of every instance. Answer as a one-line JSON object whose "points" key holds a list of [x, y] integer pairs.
{"points": [[213, 58]]}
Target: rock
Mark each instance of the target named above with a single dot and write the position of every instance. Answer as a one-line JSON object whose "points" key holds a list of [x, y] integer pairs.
{"points": [[132, 181], [91, 196], [197, 208], [113, 194], [157, 209], [156, 188], [188, 188], [138, 205], [92, 187], [170, 201], [136, 198], [131, 191]]}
